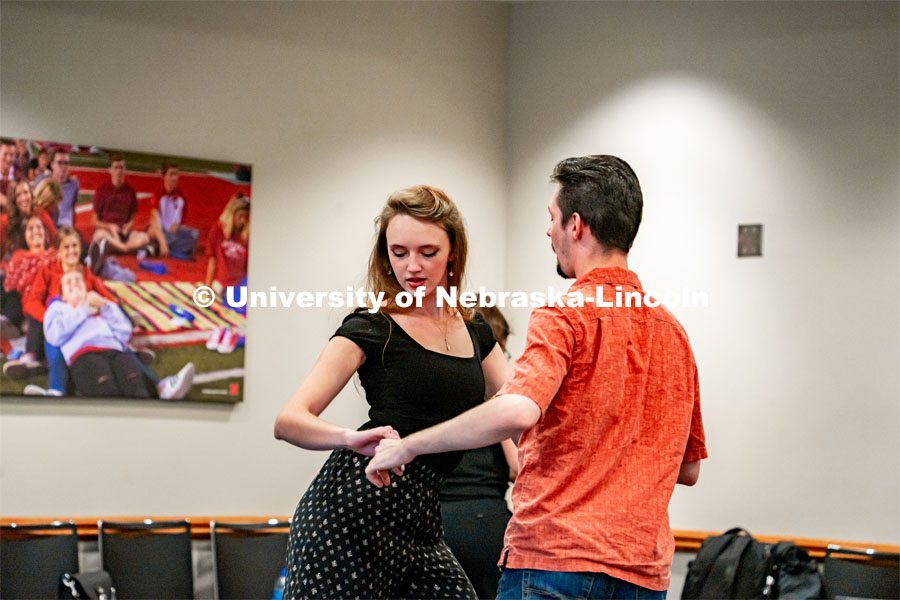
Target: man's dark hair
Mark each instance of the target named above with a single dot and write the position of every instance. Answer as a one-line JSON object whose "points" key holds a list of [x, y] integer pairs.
{"points": [[605, 192]]}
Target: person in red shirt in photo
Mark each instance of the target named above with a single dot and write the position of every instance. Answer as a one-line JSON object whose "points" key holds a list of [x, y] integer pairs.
{"points": [[19, 279], [21, 208], [227, 244], [115, 204], [607, 402]]}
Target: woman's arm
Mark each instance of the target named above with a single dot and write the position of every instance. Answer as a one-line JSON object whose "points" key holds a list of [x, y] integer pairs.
{"points": [[299, 423], [210, 270], [511, 453], [34, 302], [495, 371], [61, 321]]}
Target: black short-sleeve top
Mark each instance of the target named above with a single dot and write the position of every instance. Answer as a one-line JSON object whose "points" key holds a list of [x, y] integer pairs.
{"points": [[410, 387]]}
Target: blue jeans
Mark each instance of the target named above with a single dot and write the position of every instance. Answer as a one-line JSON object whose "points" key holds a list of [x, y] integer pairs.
{"points": [[56, 365], [532, 584]]}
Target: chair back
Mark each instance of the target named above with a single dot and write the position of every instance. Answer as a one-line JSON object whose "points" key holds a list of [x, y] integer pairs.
{"points": [[148, 559], [248, 557], [33, 558], [860, 573]]}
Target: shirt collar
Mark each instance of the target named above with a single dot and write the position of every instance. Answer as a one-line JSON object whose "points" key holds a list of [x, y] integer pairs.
{"points": [[607, 276]]}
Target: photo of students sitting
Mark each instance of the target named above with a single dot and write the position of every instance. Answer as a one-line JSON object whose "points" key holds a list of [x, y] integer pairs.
{"points": [[139, 239]]}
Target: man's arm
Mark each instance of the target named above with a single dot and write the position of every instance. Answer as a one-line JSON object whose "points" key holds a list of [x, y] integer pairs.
{"points": [[96, 223], [499, 418], [689, 473]]}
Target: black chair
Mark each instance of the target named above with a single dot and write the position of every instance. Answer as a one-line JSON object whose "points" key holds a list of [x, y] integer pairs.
{"points": [[148, 559], [34, 557], [861, 574], [248, 557]]}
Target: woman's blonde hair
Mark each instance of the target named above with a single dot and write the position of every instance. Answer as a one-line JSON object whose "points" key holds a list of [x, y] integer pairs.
{"points": [[47, 195], [427, 204], [226, 219]]}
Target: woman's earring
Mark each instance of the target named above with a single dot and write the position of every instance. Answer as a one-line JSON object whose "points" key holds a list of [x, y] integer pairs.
{"points": [[450, 265]]}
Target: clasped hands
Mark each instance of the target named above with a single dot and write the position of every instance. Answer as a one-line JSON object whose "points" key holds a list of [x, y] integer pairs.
{"points": [[94, 302], [388, 452]]}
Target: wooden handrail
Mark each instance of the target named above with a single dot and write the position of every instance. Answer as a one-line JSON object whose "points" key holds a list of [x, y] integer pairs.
{"points": [[685, 540], [690, 541], [87, 526]]}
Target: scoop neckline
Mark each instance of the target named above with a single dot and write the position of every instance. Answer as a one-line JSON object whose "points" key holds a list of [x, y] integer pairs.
{"points": [[416, 342]]}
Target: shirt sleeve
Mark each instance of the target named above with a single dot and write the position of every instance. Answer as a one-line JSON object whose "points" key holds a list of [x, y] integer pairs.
{"points": [[94, 283], [133, 204], [540, 370], [367, 331], [62, 320], [47, 220], [119, 324], [484, 335], [99, 201], [34, 301], [213, 240], [696, 446]]}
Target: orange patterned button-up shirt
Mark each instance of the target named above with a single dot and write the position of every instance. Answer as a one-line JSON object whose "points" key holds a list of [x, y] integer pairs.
{"points": [[620, 405]]}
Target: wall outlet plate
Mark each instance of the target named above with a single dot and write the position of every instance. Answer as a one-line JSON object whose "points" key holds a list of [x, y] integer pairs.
{"points": [[750, 240]]}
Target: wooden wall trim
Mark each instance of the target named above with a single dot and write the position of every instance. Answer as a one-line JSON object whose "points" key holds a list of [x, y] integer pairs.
{"points": [[690, 541], [685, 540]]}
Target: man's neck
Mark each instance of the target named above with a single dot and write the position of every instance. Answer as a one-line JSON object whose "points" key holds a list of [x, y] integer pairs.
{"points": [[602, 260]]}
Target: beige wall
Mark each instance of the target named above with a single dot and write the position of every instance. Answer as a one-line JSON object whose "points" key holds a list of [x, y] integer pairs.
{"points": [[784, 114]]}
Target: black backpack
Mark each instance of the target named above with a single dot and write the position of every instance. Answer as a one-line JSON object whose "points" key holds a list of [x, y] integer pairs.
{"points": [[796, 574], [735, 565], [731, 565]]}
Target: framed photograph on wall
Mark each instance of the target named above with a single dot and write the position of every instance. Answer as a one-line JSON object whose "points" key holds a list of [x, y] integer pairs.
{"points": [[114, 265]]}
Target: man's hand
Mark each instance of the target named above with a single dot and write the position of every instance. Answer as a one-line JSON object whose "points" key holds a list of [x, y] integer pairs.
{"points": [[391, 454], [365, 441]]}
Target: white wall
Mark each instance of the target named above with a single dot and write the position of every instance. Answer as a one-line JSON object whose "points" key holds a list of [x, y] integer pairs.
{"points": [[780, 114], [335, 105], [784, 114]]}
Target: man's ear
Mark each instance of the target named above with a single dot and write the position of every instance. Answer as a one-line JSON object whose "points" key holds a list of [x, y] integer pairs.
{"points": [[577, 226]]}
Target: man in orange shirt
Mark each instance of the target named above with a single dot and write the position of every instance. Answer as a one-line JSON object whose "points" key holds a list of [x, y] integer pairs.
{"points": [[608, 400]]}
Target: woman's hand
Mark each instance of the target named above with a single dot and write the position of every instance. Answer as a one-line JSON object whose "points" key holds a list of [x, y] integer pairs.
{"points": [[364, 442], [392, 455]]}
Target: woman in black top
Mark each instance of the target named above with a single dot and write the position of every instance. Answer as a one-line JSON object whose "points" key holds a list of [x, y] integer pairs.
{"points": [[419, 366], [473, 500]]}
